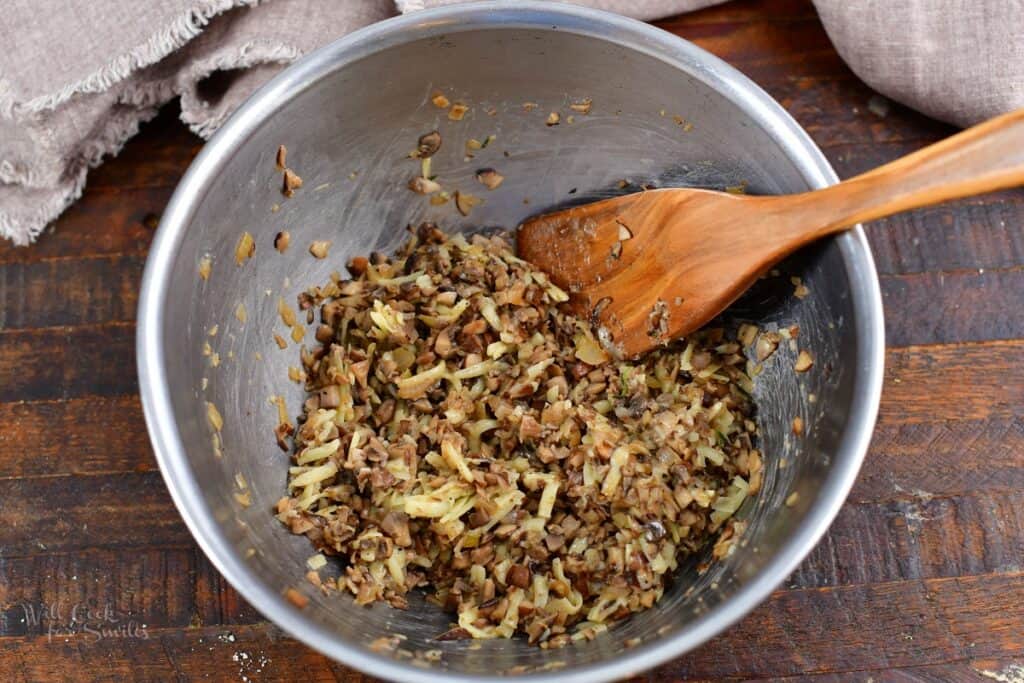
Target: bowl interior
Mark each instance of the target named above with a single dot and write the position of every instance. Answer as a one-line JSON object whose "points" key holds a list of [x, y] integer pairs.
{"points": [[348, 131]]}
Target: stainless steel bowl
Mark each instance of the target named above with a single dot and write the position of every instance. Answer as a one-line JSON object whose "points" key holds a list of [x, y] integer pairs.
{"points": [[348, 114]]}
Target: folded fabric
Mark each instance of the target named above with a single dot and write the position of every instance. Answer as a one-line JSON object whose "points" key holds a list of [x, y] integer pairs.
{"points": [[77, 77]]}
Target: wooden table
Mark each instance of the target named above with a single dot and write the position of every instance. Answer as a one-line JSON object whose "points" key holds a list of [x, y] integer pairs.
{"points": [[921, 577]]}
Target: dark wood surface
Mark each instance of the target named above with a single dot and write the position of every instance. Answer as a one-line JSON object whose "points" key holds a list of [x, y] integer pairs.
{"points": [[921, 577]]}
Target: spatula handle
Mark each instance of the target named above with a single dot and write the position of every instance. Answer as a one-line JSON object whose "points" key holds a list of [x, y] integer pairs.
{"points": [[984, 158]]}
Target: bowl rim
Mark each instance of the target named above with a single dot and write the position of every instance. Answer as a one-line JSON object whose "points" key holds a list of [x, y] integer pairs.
{"points": [[536, 14]]}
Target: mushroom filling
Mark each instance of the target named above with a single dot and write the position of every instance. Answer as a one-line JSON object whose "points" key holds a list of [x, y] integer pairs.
{"points": [[465, 433]]}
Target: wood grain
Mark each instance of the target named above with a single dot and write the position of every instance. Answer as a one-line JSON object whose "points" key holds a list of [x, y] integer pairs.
{"points": [[961, 671], [851, 119], [938, 622], [953, 307], [170, 655], [60, 363], [58, 292], [897, 624], [921, 538], [95, 435], [61, 514], [942, 458], [984, 233], [171, 587], [919, 579], [780, 45], [962, 381]]}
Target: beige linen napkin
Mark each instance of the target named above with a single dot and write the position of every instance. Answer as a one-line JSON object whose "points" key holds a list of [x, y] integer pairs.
{"points": [[78, 76], [960, 61]]}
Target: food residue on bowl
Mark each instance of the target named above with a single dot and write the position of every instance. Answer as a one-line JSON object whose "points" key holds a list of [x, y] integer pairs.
{"points": [[803, 362], [290, 182], [440, 101], [205, 266], [282, 240], [245, 249], [457, 111], [319, 248]]}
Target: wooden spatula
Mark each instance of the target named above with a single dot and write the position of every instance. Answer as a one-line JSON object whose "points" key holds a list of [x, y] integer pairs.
{"points": [[655, 265]]}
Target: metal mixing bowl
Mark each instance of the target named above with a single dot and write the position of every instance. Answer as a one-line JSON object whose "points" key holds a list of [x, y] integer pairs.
{"points": [[349, 113]]}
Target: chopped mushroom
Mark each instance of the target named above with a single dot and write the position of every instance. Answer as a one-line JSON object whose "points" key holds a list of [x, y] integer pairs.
{"points": [[428, 144], [746, 334], [465, 202], [296, 598], [282, 240], [245, 249], [422, 185], [319, 248], [396, 525], [282, 157], [330, 396], [803, 362], [440, 101], [519, 576], [357, 265], [465, 433], [489, 178], [658, 319], [286, 312], [583, 106], [292, 182], [766, 345], [458, 111], [800, 290]]}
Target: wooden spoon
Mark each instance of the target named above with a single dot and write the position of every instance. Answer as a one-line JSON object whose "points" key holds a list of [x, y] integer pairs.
{"points": [[655, 265]]}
